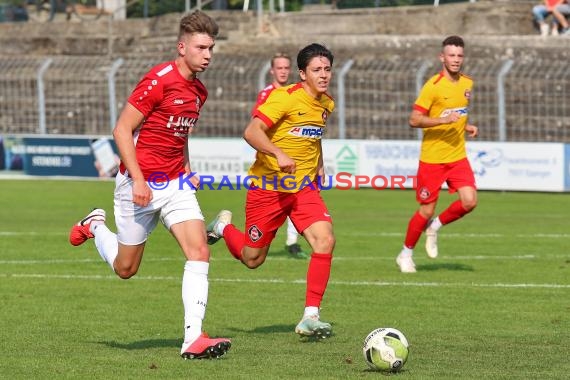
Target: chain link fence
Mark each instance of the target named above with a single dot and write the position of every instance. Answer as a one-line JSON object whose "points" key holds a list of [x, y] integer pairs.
{"points": [[512, 101]]}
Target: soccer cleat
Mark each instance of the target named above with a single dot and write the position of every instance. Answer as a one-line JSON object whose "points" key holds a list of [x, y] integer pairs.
{"points": [[311, 326], [223, 216], [431, 243], [296, 251], [205, 347], [406, 263], [82, 230]]}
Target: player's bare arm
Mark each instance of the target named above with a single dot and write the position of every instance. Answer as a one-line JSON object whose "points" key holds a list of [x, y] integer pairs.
{"points": [[195, 179], [420, 120], [129, 120], [256, 135], [472, 131]]}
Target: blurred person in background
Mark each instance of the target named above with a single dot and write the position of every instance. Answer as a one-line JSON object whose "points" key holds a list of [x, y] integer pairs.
{"points": [[560, 10]]}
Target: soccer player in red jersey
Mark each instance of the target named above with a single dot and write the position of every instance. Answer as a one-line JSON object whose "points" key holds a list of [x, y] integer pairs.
{"points": [[286, 132], [152, 137], [280, 70], [441, 110]]}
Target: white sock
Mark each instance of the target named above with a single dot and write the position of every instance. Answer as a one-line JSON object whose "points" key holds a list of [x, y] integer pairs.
{"points": [[194, 297], [94, 224], [407, 251], [106, 243], [435, 224], [292, 233], [311, 310]]}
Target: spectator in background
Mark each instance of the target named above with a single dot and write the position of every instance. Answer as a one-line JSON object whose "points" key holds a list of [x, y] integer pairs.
{"points": [[280, 71], [559, 9]]}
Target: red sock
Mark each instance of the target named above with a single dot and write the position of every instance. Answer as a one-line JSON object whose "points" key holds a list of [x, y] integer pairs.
{"points": [[235, 240], [453, 212], [317, 278], [416, 226]]}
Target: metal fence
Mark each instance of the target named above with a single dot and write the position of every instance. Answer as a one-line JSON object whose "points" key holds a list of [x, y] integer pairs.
{"points": [[512, 101]]}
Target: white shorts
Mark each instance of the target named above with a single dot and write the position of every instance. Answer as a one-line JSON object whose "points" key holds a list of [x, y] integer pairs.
{"points": [[171, 204]]}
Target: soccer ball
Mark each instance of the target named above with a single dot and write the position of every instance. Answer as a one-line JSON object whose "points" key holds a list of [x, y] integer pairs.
{"points": [[386, 349]]}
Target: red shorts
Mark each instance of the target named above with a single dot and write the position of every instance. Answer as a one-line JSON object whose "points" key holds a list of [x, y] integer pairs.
{"points": [[431, 176], [266, 211]]}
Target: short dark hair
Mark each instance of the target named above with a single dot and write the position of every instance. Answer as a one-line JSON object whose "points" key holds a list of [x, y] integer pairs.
{"points": [[198, 22], [311, 51], [453, 41]]}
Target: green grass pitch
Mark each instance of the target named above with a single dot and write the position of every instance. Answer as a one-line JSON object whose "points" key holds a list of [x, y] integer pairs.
{"points": [[495, 305]]}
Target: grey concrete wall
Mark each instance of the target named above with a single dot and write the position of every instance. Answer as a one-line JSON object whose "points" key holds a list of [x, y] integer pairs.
{"points": [[495, 29], [480, 18]]}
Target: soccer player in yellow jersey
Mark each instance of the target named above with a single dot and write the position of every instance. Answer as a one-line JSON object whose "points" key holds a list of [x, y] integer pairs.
{"points": [[286, 132], [280, 70], [441, 110]]}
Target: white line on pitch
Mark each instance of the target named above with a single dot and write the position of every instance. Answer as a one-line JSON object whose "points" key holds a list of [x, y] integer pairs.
{"points": [[459, 235], [281, 281], [269, 258], [351, 233]]}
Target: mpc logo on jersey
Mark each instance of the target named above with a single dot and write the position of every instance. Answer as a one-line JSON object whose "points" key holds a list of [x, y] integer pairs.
{"points": [[309, 132], [461, 110]]}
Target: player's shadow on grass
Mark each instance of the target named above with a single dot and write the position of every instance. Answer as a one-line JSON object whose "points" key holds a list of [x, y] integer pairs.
{"points": [[144, 344], [279, 251], [373, 372], [288, 329], [272, 329], [445, 266]]}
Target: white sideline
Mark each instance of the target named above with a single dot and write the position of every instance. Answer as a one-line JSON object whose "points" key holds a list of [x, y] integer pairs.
{"points": [[290, 282], [340, 233], [460, 235], [269, 258]]}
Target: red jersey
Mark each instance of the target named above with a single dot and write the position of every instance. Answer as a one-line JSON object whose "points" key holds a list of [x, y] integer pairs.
{"points": [[262, 96], [171, 105]]}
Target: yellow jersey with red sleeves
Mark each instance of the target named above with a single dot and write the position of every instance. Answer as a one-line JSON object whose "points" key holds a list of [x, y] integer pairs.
{"points": [[438, 98], [296, 124]]}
